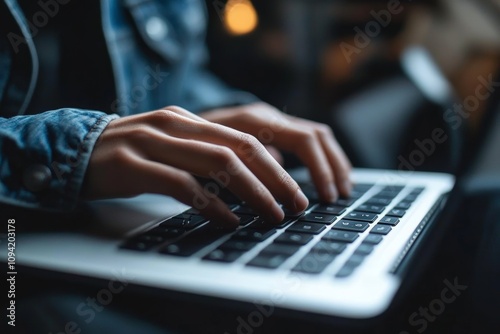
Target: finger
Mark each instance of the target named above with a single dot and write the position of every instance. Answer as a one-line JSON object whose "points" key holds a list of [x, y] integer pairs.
{"points": [[247, 148], [159, 178], [274, 127], [212, 161], [276, 154], [254, 155], [339, 162], [335, 154], [310, 151]]}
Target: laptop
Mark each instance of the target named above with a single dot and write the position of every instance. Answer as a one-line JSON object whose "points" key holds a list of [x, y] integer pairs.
{"points": [[345, 259]]}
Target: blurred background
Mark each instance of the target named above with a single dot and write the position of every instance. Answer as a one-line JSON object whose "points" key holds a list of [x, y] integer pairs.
{"points": [[383, 74]]}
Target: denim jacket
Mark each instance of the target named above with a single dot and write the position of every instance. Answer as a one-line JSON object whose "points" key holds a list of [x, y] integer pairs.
{"points": [[43, 157]]}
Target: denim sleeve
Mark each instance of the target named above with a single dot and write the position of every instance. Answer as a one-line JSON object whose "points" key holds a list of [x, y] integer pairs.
{"points": [[43, 157]]}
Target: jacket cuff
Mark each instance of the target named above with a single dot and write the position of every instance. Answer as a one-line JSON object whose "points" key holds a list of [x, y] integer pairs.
{"points": [[44, 157]]}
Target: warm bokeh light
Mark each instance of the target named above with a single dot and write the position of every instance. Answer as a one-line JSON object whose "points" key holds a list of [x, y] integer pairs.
{"points": [[240, 17]]}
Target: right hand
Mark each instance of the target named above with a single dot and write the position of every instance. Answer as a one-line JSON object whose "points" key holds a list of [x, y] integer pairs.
{"points": [[160, 151]]}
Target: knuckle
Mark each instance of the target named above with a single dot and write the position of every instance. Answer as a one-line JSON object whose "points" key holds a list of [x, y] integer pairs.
{"points": [[285, 179], [249, 146], [174, 109], [122, 156], [139, 132], [306, 137], [286, 182], [223, 155], [160, 116], [248, 140], [246, 112], [324, 130]]}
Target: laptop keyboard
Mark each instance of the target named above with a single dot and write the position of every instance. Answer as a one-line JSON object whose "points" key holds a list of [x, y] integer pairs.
{"points": [[340, 224]]}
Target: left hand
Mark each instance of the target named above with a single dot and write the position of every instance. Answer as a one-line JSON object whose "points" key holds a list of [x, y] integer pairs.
{"points": [[314, 143]]}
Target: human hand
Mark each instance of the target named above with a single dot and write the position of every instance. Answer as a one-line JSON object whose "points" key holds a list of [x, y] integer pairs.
{"points": [[160, 151], [312, 142]]}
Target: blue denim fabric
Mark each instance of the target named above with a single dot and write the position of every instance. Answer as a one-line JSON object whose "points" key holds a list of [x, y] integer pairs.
{"points": [[60, 139], [157, 52]]}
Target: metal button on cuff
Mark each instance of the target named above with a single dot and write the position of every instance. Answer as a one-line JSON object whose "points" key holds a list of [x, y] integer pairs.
{"points": [[37, 177], [156, 28]]}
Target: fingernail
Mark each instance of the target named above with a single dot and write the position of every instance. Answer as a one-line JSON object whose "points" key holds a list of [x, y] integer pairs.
{"points": [[331, 192], [301, 202]]}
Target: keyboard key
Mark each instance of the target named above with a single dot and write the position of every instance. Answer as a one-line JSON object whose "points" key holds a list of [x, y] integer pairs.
{"points": [[245, 210], [294, 238], [319, 218], [267, 261], [291, 214], [283, 249], [245, 219], [379, 201], [329, 247], [389, 221], [150, 237], [223, 255], [345, 271], [355, 260], [364, 249], [387, 194], [356, 194], [314, 263], [410, 198], [362, 187], [381, 229], [396, 213], [336, 235], [192, 211], [417, 190], [185, 221], [351, 225], [167, 231], [306, 227], [373, 239], [183, 249], [404, 205], [145, 241], [329, 209], [138, 245], [344, 202], [260, 224], [393, 188], [185, 215], [371, 208], [362, 216], [238, 245], [286, 221], [253, 235]]}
